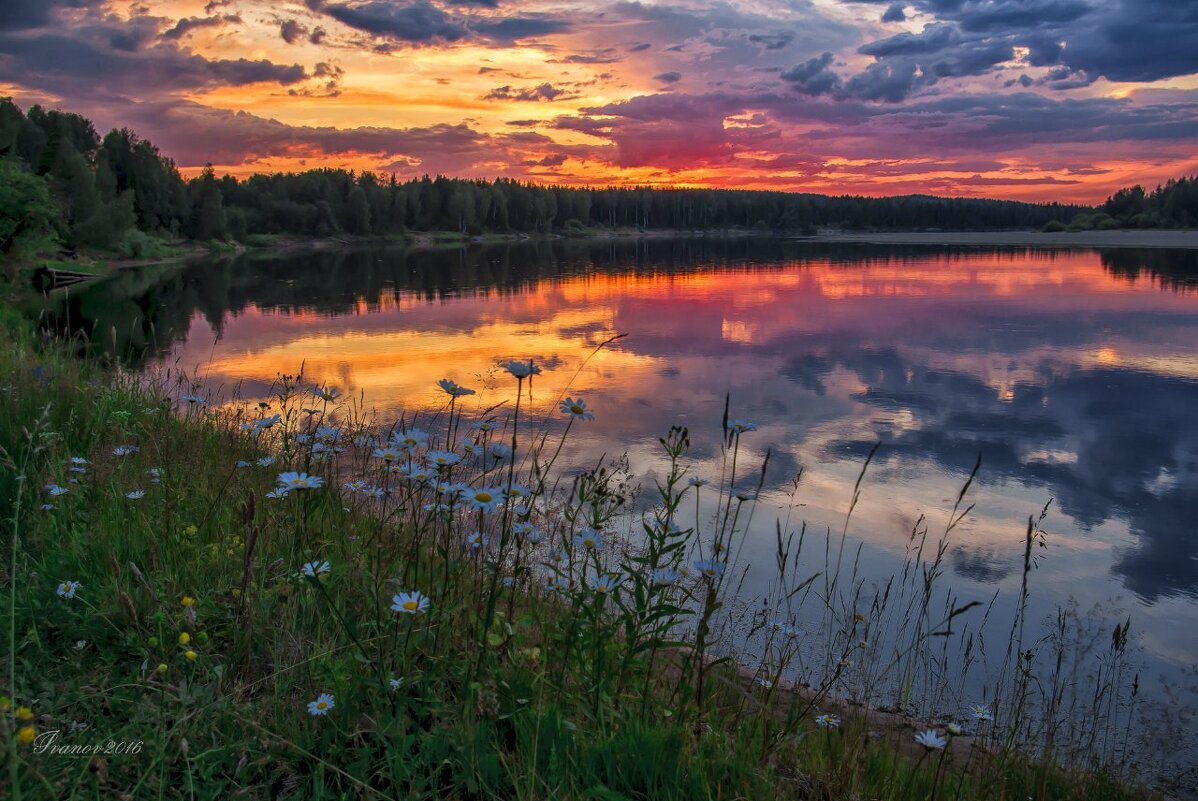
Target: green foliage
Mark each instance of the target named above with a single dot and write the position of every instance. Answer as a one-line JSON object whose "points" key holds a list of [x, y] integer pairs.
{"points": [[26, 213], [1174, 205]]}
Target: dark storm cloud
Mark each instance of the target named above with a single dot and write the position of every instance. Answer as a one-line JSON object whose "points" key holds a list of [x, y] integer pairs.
{"points": [[189, 24], [814, 76], [18, 15], [292, 31], [668, 77], [508, 31], [894, 13], [1087, 38], [530, 94], [418, 22], [68, 64], [772, 41]]}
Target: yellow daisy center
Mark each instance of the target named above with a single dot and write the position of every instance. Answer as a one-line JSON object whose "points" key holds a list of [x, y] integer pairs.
{"points": [[576, 409], [411, 606], [483, 497], [322, 704], [297, 482]]}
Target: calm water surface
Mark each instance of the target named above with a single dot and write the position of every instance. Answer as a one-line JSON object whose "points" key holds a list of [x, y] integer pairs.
{"points": [[1073, 373]]}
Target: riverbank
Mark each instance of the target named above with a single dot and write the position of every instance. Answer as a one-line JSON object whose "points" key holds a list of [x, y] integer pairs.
{"points": [[233, 617], [1078, 239]]}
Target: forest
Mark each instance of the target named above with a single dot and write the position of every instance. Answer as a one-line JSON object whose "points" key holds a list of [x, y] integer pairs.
{"points": [[62, 185]]}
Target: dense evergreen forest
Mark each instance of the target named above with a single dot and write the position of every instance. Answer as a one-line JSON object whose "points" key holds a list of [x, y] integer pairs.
{"points": [[1174, 205], [63, 185]]}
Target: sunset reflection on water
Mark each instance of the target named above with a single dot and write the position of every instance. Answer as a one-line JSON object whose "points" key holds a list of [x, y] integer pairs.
{"points": [[1073, 373]]}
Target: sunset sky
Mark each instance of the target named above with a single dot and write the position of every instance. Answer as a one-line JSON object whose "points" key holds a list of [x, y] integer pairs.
{"points": [[1028, 99]]}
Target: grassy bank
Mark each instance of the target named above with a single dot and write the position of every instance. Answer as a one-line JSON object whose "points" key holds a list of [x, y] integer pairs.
{"points": [[290, 602]]}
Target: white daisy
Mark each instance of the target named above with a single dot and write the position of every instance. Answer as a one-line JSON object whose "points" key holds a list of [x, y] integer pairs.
{"points": [[322, 704]]}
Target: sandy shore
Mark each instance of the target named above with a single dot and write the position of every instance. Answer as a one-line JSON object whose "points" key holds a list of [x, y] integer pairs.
{"points": [[1081, 239]]}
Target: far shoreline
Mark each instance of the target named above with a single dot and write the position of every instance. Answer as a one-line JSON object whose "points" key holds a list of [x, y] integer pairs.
{"points": [[1187, 239]]}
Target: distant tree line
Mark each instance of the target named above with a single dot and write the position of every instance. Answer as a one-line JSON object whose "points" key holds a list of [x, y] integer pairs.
{"points": [[60, 181], [1174, 205]]}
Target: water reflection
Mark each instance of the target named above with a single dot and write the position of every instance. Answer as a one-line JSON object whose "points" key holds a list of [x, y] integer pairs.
{"points": [[1072, 373]]}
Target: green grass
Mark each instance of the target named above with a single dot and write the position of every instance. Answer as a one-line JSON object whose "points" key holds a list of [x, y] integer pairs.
{"points": [[507, 692]]}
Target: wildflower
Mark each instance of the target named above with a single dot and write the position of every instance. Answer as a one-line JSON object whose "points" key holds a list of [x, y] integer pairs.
{"points": [[439, 459], [26, 735], [79, 461], [710, 568], [23, 714], [577, 409], [77, 470], [418, 475], [155, 474], [190, 655], [552, 584], [162, 667], [931, 740], [388, 453], [588, 538], [135, 495], [452, 389], [242, 464], [697, 482], [278, 492], [954, 729], [606, 583], [364, 441], [410, 439], [485, 426], [516, 492], [982, 712], [188, 601], [484, 499], [742, 426], [396, 683], [314, 569], [327, 394], [80, 645], [762, 681], [435, 508], [472, 449], [300, 481], [328, 434], [125, 450], [521, 369], [322, 704], [522, 529], [264, 423], [499, 451], [477, 540], [265, 461], [777, 627], [54, 490], [67, 589], [665, 575], [409, 603], [184, 638], [47, 507], [827, 721]]}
